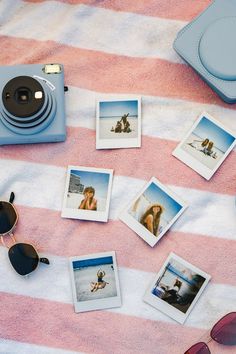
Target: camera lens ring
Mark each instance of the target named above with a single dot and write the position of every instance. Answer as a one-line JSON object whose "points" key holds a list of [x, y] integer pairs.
{"points": [[19, 96], [35, 119], [38, 126]]}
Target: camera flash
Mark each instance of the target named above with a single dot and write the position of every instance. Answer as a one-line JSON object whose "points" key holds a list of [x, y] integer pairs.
{"points": [[38, 95], [52, 69]]}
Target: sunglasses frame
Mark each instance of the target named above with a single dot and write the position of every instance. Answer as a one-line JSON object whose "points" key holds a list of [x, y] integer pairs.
{"points": [[35, 251], [10, 232], [200, 342], [207, 338]]}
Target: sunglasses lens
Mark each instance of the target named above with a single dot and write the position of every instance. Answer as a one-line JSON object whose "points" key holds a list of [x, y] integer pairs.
{"points": [[198, 348], [224, 331], [23, 257], [8, 217]]}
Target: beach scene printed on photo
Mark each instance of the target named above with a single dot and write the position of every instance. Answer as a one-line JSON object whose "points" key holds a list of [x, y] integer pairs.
{"points": [[118, 119], [178, 285], [87, 190], [94, 278], [208, 143], [155, 209]]}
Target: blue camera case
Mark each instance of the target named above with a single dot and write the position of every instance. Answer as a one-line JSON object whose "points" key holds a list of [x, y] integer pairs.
{"points": [[208, 45], [32, 104]]}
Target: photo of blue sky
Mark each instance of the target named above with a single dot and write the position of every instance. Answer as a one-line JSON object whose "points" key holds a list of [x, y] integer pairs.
{"points": [[157, 196], [99, 181], [92, 262], [207, 129], [118, 108]]}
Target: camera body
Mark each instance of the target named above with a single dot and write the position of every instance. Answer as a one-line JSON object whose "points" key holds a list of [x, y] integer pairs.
{"points": [[32, 104]]}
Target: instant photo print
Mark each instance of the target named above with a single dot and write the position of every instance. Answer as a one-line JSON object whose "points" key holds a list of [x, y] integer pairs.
{"points": [[95, 282], [153, 211], [205, 146], [118, 123], [87, 193], [176, 288]]}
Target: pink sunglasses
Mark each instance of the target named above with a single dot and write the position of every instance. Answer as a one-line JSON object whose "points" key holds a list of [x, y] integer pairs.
{"points": [[223, 332]]}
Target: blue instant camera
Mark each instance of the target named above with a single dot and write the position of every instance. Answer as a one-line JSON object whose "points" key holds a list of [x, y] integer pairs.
{"points": [[32, 104], [208, 45]]}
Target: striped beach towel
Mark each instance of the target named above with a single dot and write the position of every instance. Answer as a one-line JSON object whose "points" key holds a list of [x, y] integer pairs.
{"points": [[122, 48]]}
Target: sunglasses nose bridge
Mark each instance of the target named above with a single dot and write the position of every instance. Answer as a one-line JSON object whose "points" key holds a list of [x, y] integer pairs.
{"points": [[206, 337]]}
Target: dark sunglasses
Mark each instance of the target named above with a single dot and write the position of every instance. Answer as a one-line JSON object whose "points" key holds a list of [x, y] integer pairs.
{"points": [[23, 256], [223, 332]]}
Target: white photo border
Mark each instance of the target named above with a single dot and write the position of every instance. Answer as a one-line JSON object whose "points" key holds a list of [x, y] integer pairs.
{"points": [[96, 304], [163, 306], [192, 162], [87, 214], [118, 143], [145, 234]]}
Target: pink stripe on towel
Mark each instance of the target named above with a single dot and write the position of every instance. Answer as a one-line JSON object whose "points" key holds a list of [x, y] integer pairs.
{"points": [[55, 324], [96, 70], [79, 149]]}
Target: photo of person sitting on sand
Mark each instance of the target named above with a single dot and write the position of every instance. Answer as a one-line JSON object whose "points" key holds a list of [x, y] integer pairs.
{"points": [[124, 120], [205, 146], [100, 283], [127, 128], [122, 125], [89, 202], [95, 281], [118, 124], [195, 142], [208, 149], [118, 128]]}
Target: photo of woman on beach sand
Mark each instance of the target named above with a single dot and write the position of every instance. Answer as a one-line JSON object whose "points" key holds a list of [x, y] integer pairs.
{"points": [[95, 281], [205, 146], [100, 283], [122, 125], [118, 123]]}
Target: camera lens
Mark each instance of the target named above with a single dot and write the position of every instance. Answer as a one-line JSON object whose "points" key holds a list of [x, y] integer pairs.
{"points": [[23, 97]]}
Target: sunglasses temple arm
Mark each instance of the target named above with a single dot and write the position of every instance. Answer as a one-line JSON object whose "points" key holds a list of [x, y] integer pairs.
{"points": [[44, 260], [12, 197], [12, 237]]}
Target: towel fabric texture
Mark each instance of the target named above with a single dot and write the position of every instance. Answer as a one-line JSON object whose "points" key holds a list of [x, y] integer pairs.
{"points": [[121, 48]]}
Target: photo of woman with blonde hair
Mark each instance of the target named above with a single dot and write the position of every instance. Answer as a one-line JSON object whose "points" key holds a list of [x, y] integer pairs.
{"points": [[89, 202], [153, 211], [195, 142], [151, 218], [208, 149]]}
